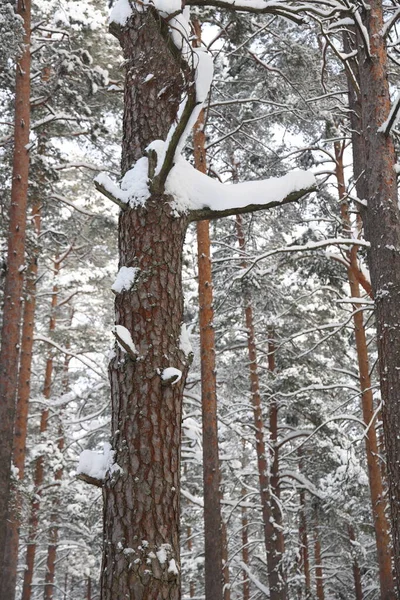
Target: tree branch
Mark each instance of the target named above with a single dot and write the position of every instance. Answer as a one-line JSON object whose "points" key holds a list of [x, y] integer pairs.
{"points": [[90, 480], [209, 214]]}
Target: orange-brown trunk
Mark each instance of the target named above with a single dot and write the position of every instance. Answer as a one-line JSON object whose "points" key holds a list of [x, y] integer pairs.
{"points": [[381, 525], [13, 288], [211, 472]]}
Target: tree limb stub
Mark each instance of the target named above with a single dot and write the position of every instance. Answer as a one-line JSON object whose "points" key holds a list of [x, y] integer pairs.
{"points": [[90, 480], [101, 188]]}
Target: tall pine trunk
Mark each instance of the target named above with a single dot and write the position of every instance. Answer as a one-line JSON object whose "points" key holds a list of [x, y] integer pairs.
{"points": [[38, 480], [213, 532], [277, 585], [22, 408], [381, 525], [374, 159], [10, 334]]}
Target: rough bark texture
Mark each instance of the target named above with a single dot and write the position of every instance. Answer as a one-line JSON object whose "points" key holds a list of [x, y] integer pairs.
{"points": [[214, 581], [381, 525], [10, 333], [277, 585], [142, 505], [374, 158]]}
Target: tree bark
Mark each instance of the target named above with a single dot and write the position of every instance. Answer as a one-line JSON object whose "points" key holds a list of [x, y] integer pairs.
{"points": [[356, 566], [381, 525], [213, 533], [277, 585], [304, 548], [141, 500], [319, 575], [39, 463], [381, 218], [10, 334], [22, 409]]}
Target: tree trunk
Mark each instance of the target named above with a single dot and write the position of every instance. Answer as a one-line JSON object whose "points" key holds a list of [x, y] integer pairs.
{"points": [[142, 505], [22, 409], [356, 566], [319, 575], [10, 334], [39, 463], [381, 525], [381, 218], [274, 479], [214, 582], [278, 590], [304, 549]]}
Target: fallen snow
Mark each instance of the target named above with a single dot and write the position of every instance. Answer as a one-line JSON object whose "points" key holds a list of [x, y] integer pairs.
{"points": [[125, 279], [171, 372], [124, 337], [134, 188], [97, 465]]}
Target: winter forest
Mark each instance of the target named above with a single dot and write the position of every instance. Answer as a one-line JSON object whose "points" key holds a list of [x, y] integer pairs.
{"points": [[200, 300]]}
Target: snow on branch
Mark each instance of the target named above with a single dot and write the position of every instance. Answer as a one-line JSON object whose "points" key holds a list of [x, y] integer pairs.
{"points": [[124, 339], [202, 197], [93, 467], [390, 122]]}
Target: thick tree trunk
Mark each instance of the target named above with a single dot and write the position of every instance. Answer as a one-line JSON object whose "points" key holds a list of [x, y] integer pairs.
{"points": [[381, 525], [10, 334], [278, 590], [377, 185]]}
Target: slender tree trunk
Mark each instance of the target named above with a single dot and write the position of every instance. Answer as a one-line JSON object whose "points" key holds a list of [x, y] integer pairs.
{"points": [[304, 550], [274, 479], [190, 549], [213, 526], [55, 517], [10, 334], [39, 463], [22, 409], [356, 566], [89, 589], [381, 525], [319, 575], [278, 590], [245, 534], [377, 185]]}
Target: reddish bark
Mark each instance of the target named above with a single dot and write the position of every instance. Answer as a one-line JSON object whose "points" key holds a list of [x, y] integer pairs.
{"points": [[356, 566], [22, 408], [39, 463], [10, 334], [304, 548], [374, 159], [274, 478], [277, 585], [211, 472], [319, 575], [381, 525]]}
